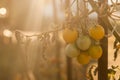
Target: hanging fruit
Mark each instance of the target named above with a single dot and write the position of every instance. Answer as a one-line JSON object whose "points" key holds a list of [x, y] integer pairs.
{"points": [[97, 32], [72, 51], [95, 51], [70, 35], [83, 58], [83, 42]]}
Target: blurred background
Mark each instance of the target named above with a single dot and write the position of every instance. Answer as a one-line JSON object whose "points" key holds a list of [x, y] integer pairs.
{"points": [[31, 60]]}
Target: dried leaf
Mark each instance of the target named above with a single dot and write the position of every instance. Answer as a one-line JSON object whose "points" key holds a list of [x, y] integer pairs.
{"points": [[40, 37], [114, 67], [95, 71], [47, 40], [111, 71], [90, 73], [119, 77], [27, 42], [44, 56], [53, 39], [114, 78], [20, 37], [118, 46], [115, 43], [116, 54], [47, 36]]}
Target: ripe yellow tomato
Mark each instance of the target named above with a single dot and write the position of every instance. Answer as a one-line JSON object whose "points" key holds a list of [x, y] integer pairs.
{"points": [[70, 35], [95, 51], [72, 51], [83, 42], [83, 58], [97, 32]]}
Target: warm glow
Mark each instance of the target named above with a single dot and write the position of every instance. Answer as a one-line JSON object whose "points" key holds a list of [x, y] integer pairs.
{"points": [[7, 33], [3, 11]]}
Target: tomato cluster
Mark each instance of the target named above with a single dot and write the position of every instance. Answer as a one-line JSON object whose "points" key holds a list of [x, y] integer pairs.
{"points": [[84, 47]]}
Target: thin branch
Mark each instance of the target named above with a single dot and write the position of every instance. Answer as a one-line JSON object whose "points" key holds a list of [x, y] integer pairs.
{"points": [[116, 1], [115, 16], [91, 12], [94, 6], [115, 4], [111, 28], [40, 34], [112, 1], [104, 19], [70, 5]]}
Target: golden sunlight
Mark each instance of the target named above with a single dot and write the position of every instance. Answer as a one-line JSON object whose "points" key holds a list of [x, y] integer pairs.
{"points": [[3, 11], [7, 33], [59, 39], [29, 15]]}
